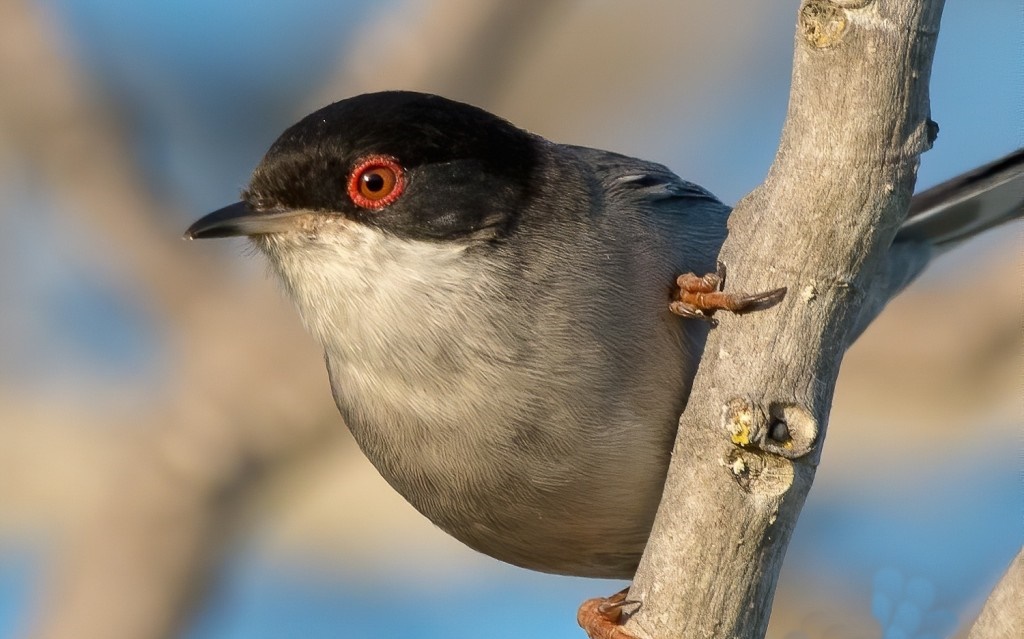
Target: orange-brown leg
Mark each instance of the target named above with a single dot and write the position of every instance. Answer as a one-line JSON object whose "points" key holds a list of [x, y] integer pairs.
{"points": [[700, 296], [601, 617]]}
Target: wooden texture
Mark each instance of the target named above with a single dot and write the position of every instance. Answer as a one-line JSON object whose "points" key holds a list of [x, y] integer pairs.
{"points": [[1003, 614], [821, 225]]}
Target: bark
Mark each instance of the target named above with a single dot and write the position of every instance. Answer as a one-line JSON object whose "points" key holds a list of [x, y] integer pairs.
{"points": [[821, 224], [1003, 613]]}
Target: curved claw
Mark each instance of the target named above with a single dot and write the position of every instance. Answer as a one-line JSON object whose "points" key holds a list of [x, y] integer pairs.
{"points": [[758, 301], [601, 617]]}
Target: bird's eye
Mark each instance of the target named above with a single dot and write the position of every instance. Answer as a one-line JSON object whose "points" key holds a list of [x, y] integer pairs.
{"points": [[376, 182]]}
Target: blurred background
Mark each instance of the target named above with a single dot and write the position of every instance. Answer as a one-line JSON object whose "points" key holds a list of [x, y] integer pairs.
{"points": [[171, 462]]}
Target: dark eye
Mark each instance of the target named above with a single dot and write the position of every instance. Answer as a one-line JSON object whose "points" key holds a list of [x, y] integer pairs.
{"points": [[376, 182]]}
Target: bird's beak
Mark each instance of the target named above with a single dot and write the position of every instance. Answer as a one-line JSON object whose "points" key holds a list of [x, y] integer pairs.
{"points": [[241, 219]]}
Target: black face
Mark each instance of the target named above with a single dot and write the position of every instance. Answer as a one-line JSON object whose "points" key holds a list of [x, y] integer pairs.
{"points": [[413, 164]]}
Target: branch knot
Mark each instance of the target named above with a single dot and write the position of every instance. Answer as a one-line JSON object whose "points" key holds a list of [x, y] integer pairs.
{"points": [[767, 436], [822, 24]]}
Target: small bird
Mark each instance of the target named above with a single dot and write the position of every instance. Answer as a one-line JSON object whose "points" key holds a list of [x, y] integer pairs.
{"points": [[495, 312]]}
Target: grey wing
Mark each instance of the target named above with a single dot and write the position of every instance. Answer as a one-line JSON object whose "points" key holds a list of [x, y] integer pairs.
{"points": [[686, 214], [621, 174]]}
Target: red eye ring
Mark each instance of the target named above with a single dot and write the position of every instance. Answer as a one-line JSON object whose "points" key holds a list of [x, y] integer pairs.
{"points": [[376, 181]]}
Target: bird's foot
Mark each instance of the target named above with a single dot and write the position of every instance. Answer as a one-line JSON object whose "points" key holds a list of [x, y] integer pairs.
{"points": [[700, 296], [601, 618]]}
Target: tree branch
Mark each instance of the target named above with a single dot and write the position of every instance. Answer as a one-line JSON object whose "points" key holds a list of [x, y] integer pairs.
{"points": [[821, 224], [1003, 614]]}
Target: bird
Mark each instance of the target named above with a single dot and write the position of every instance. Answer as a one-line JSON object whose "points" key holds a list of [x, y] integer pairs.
{"points": [[504, 324]]}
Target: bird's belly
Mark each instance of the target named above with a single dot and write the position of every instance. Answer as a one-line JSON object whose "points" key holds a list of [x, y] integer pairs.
{"points": [[509, 488]]}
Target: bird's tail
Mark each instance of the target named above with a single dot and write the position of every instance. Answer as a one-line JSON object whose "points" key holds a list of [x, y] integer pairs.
{"points": [[968, 204]]}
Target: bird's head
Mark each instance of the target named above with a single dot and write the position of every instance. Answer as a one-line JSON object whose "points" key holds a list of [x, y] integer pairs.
{"points": [[412, 165], [368, 207]]}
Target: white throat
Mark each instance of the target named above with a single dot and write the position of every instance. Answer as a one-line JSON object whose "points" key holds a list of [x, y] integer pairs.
{"points": [[356, 284], [403, 322]]}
